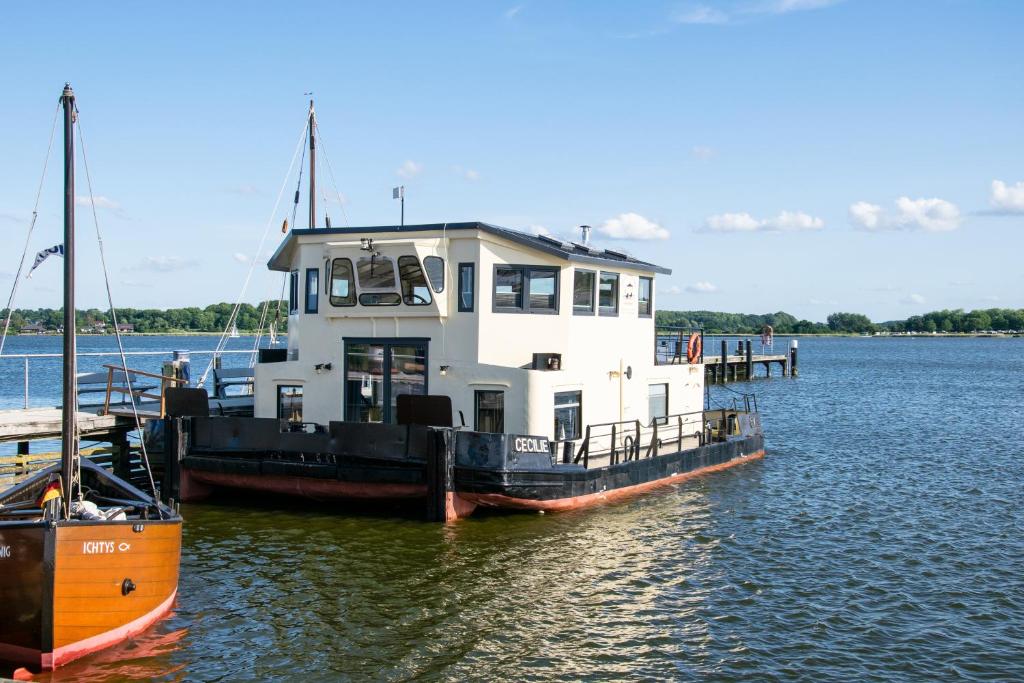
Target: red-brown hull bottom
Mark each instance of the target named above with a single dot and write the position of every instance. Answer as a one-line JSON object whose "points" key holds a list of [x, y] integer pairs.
{"points": [[199, 483], [498, 500]]}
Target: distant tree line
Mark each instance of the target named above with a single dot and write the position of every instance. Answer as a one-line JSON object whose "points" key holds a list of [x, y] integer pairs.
{"points": [[992, 319], [213, 318]]}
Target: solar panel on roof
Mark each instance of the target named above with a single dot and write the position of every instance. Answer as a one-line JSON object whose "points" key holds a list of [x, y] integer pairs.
{"points": [[617, 254], [550, 240]]}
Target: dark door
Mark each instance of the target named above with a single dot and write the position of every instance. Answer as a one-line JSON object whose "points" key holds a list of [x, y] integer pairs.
{"points": [[377, 371]]}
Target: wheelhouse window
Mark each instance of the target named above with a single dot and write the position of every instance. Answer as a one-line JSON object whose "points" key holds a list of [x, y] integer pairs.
{"points": [[657, 400], [508, 288], [293, 292], [467, 291], [415, 291], [490, 411], [583, 292], [380, 299], [376, 272], [434, 267], [568, 405], [312, 290], [289, 403], [343, 286], [608, 294], [644, 298], [526, 289]]}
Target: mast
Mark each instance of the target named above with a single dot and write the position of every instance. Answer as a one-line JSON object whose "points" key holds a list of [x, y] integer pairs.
{"points": [[68, 448], [312, 167]]}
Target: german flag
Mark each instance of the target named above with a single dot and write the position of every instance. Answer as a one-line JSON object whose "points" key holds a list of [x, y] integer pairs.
{"points": [[52, 490]]}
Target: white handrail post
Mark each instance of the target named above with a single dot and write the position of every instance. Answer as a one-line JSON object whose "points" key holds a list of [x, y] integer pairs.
{"points": [[26, 383]]}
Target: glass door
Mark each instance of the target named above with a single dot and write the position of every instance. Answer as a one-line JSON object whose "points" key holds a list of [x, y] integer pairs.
{"points": [[377, 372]]}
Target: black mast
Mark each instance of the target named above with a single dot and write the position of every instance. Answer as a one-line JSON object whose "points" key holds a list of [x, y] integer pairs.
{"points": [[312, 167], [68, 450]]}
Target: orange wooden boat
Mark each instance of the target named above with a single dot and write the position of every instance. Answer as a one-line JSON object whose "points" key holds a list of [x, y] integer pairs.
{"points": [[86, 559]]}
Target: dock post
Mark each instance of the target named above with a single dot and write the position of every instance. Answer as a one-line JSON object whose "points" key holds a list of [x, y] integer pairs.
{"points": [[175, 448], [442, 503], [725, 361], [121, 457], [792, 358], [750, 361]]}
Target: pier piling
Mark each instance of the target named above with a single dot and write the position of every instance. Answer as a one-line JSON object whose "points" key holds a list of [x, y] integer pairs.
{"points": [[750, 362], [725, 361], [792, 358]]}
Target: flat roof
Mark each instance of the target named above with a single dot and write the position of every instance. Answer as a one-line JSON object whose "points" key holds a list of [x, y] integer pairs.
{"points": [[570, 251]]}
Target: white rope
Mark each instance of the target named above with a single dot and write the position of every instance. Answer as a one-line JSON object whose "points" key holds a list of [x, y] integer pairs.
{"points": [[221, 343], [28, 237], [113, 319], [330, 171]]}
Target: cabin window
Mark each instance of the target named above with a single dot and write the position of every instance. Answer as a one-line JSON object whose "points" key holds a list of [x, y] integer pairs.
{"points": [[434, 265], [312, 290], [467, 273], [657, 401], [508, 288], [541, 289], [583, 292], [380, 299], [293, 292], [608, 294], [644, 297], [568, 405], [376, 272], [414, 285], [289, 403], [490, 411], [343, 289]]}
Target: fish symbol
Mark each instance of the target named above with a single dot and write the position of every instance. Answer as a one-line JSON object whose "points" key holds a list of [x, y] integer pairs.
{"points": [[123, 547]]}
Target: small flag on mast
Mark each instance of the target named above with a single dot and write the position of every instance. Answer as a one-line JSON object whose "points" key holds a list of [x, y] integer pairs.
{"points": [[57, 249]]}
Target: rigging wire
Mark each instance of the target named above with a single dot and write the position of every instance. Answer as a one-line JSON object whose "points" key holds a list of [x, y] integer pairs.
{"points": [[113, 317], [28, 236], [221, 343], [330, 171]]}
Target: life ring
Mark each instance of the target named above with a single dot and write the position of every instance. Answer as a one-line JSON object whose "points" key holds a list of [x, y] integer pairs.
{"points": [[693, 349]]}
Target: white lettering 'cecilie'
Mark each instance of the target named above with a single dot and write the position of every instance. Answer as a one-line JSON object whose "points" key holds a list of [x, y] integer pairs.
{"points": [[530, 445], [5, 552], [97, 547]]}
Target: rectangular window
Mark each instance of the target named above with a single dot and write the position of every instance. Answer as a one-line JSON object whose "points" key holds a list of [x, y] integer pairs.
{"points": [[312, 290], [539, 282], [568, 406], [293, 292], [490, 411], [583, 292], [343, 286], [657, 401], [608, 294], [467, 286], [645, 298], [434, 265], [289, 403], [508, 288], [376, 273]]}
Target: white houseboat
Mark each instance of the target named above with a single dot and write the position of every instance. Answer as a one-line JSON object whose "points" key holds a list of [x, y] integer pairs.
{"points": [[470, 365]]}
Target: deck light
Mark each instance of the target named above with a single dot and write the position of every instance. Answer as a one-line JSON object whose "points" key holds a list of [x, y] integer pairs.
{"points": [[444, 370]]}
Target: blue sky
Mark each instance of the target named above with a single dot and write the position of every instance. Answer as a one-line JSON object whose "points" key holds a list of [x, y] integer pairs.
{"points": [[798, 155]]}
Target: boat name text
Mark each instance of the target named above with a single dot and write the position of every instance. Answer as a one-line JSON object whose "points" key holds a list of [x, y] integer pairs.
{"points": [[530, 444], [5, 552], [102, 547]]}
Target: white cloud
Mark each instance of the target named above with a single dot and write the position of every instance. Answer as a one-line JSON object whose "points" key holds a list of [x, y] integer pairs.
{"points": [[699, 14], [471, 175], [240, 257], [513, 11], [912, 299], [632, 226], [409, 169], [702, 152], [1008, 198], [930, 215], [786, 221], [671, 289], [101, 202], [164, 264], [541, 230], [702, 287]]}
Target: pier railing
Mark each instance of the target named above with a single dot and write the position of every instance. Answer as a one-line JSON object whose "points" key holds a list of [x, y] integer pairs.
{"points": [[28, 359], [671, 343]]}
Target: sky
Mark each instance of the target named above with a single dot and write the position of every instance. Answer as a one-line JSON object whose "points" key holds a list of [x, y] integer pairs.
{"points": [[809, 156]]}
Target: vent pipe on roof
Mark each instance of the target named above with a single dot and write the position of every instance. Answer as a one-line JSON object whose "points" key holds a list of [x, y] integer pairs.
{"points": [[585, 229]]}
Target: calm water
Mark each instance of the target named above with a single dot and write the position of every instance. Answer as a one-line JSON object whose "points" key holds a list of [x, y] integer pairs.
{"points": [[881, 539]]}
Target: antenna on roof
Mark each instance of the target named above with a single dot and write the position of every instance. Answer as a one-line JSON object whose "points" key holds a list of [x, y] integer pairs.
{"points": [[585, 229]]}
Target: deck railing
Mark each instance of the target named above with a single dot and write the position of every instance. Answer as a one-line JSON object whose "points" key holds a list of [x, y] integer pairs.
{"points": [[670, 344], [28, 358]]}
